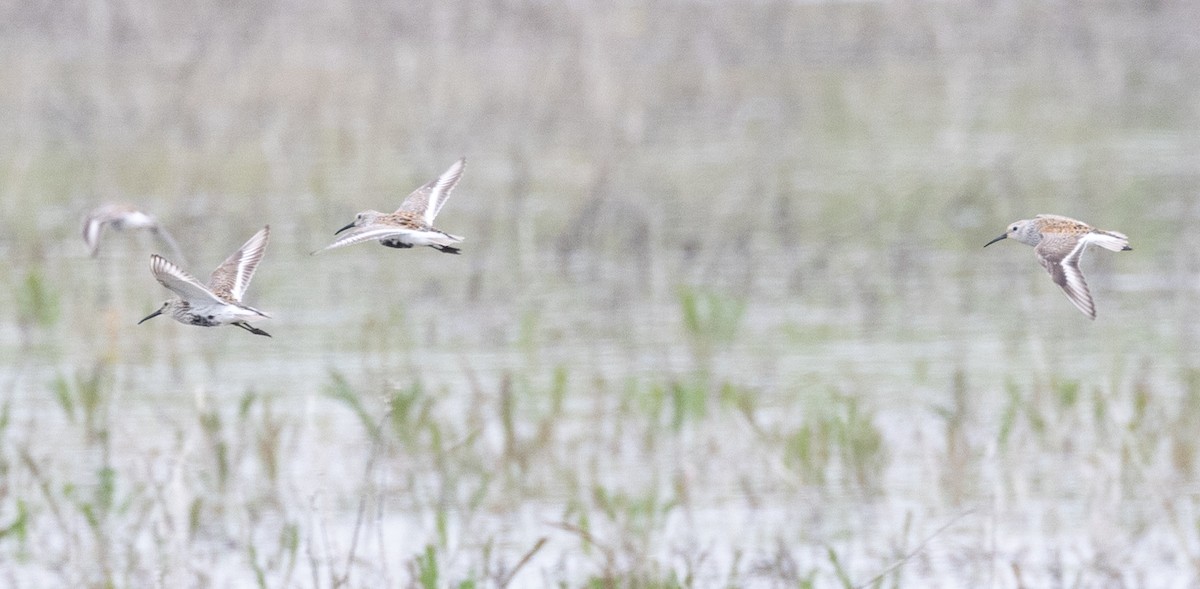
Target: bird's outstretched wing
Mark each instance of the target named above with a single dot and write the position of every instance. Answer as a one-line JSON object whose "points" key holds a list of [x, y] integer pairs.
{"points": [[180, 282], [1060, 255], [427, 201], [367, 233], [234, 274]]}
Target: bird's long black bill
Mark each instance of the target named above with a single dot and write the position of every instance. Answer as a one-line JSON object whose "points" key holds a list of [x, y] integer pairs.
{"points": [[995, 240], [343, 229], [150, 316]]}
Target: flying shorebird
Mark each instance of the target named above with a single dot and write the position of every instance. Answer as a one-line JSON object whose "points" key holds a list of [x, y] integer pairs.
{"points": [[121, 217], [412, 223], [1059, 243], [220, 302]]}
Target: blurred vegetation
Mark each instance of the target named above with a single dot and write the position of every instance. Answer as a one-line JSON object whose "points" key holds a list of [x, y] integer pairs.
{"points": [[722, 316]]}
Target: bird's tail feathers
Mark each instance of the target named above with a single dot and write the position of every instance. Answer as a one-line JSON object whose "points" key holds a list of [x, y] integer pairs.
{"points": [[446, 239], [1111, 240]]}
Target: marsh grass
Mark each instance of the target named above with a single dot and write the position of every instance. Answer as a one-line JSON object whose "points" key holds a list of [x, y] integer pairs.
{"points": [[37, 305], [838, 439], [709, 320]]}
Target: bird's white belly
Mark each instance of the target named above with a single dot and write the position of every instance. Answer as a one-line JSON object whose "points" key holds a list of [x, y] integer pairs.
{"points": [[413, 238], [417, 237], [213, 315]]}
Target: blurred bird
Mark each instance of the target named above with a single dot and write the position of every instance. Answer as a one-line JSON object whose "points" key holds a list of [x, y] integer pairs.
{"points": [[412, 223], [121, 217], [1059, 243]]}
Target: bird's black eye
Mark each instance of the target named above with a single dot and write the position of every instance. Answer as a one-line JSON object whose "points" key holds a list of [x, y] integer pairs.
{"points": [[210, 317]]}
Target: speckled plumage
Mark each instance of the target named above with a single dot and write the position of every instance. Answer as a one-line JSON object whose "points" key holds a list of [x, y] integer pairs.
{"points": [[1059, 243], [220, 302], [412, 223]]}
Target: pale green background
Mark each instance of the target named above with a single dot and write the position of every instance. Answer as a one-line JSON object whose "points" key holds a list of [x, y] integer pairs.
{"points": [[722, 316]]}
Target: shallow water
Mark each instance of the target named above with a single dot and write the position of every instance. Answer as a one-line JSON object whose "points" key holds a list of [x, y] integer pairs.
{"points": [[716, 485], [858, 383]]}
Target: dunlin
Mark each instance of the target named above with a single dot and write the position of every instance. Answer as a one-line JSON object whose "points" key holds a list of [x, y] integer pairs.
{"points": [[1059, 242], [412, 223], [220, 302], [120, 217]]}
